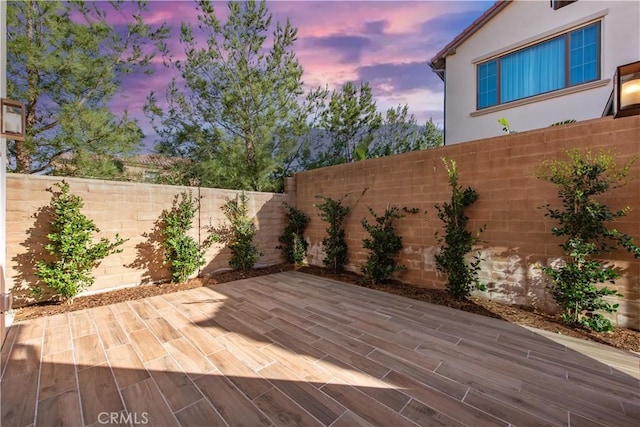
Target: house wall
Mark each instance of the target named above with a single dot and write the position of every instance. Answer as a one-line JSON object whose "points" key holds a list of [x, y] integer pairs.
{"points": [[130, 209], [523, 22], [518, 236]]}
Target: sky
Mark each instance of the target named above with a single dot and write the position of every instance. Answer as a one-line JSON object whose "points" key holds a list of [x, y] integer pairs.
{"points": [[385, 43]]}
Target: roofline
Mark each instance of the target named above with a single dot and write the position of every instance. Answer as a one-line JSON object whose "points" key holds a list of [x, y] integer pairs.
{"points": [[438, 63]]}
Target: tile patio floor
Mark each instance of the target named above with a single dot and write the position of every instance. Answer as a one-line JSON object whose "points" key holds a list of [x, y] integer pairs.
{"points": [[294, 349]]}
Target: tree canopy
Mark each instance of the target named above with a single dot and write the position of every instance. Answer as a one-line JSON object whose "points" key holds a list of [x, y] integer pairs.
{"points": [[235, 110], [65, 61]]}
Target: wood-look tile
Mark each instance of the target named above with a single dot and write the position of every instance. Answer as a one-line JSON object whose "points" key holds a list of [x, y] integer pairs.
{"points": [[30, 330], [144, 310], [158, 302], [294, 330], [441, 402], [23, 358], [145, 400], [201, 339], [259, 313], [192, 361], [371, 386], [112, 335], [126, 365], [332, 324], [57, 339], [365, 364], [163, 329], [88, 351], [200, 413], [147, 345], [57, 320], [291, 343], [304, 368], [318, 404], [422, 414], [57, 374], [61, 410], [175, 385], [284, 411], [174, 317], [102, 315], [233, 325], [504, 411], [345, 341], [81, 324], [130, 321], [230, 402], [364, 406], [18, 399], [245, 378], [98, 392], [349, 419], [246, 351]]}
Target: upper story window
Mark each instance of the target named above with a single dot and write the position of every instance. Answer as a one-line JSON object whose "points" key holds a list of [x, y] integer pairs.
{"points": [[563, 61], [557, 4]]}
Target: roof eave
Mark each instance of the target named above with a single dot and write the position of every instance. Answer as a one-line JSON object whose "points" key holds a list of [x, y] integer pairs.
{"points": [[438, 63]]}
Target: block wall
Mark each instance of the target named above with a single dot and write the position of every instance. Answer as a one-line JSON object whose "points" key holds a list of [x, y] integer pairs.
{"points": [[131, 210], [518, 236]]}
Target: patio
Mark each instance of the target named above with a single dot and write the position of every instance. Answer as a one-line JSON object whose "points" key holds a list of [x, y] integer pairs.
{"points": [[295, 349]]}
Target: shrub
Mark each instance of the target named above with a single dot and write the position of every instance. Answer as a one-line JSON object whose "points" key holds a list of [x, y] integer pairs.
{"points": [[71, 245], [457, 242], [384, 244], [294, 246], [240, 234], [183, 254], [335, 247], [582, 223]]}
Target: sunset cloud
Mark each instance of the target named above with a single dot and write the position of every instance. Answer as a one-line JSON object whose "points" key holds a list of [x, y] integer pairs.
{"points": [[387, 44]]}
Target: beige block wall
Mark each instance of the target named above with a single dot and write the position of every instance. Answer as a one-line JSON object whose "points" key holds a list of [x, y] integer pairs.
{"points": [[518, 236], [131, 210]]}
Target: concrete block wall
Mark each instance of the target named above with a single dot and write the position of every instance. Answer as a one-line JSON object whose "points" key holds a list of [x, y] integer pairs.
{"points": [[131, 210], [518, 236]]}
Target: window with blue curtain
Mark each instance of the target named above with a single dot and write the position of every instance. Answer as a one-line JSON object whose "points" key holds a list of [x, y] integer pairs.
{"points": [[567, 60], [487, 84]]}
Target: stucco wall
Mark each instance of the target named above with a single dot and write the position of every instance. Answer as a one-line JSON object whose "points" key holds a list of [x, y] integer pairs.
{"points": [[520, 23], [130, 209], [501, 169]]}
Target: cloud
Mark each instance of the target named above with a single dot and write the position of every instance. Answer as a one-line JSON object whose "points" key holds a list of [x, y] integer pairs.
{"points": [[376, 27], [349, 48], [440, 30], [389, 78]]}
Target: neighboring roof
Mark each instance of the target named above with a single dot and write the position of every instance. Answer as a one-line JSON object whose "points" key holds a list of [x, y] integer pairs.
{"points": [[438, 63]]}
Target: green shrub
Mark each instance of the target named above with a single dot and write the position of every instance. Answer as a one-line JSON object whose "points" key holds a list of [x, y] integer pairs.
{"points": [[239, 236], [294, 246], [457, 242], [582, 223], [183, 254], [71, 245], [383, 245], [335, 247]]}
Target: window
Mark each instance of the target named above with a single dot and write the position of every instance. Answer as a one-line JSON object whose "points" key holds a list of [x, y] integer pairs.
{"points": [[557, 4], [567, 60]]}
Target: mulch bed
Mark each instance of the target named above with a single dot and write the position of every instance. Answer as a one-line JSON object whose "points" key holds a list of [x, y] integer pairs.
{"points": [[621, 338]]}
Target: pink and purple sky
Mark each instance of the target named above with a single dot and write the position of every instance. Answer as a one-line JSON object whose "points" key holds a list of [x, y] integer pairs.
{"points": [[386, 43]]}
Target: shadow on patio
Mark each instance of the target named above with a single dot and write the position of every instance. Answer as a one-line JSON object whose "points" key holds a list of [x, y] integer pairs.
{"points": [[294, 349]]}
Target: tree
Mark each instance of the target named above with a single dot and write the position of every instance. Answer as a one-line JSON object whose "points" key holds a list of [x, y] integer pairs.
{"points": [[399, 133], [65, 62], [235, 108], [349, 125], [582, 222]]}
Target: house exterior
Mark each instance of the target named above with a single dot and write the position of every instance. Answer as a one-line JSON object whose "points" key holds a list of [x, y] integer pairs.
{"points": [[535, 63]]}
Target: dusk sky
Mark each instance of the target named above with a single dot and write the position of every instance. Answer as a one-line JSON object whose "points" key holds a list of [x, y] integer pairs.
{"points": [[387, 44]]}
